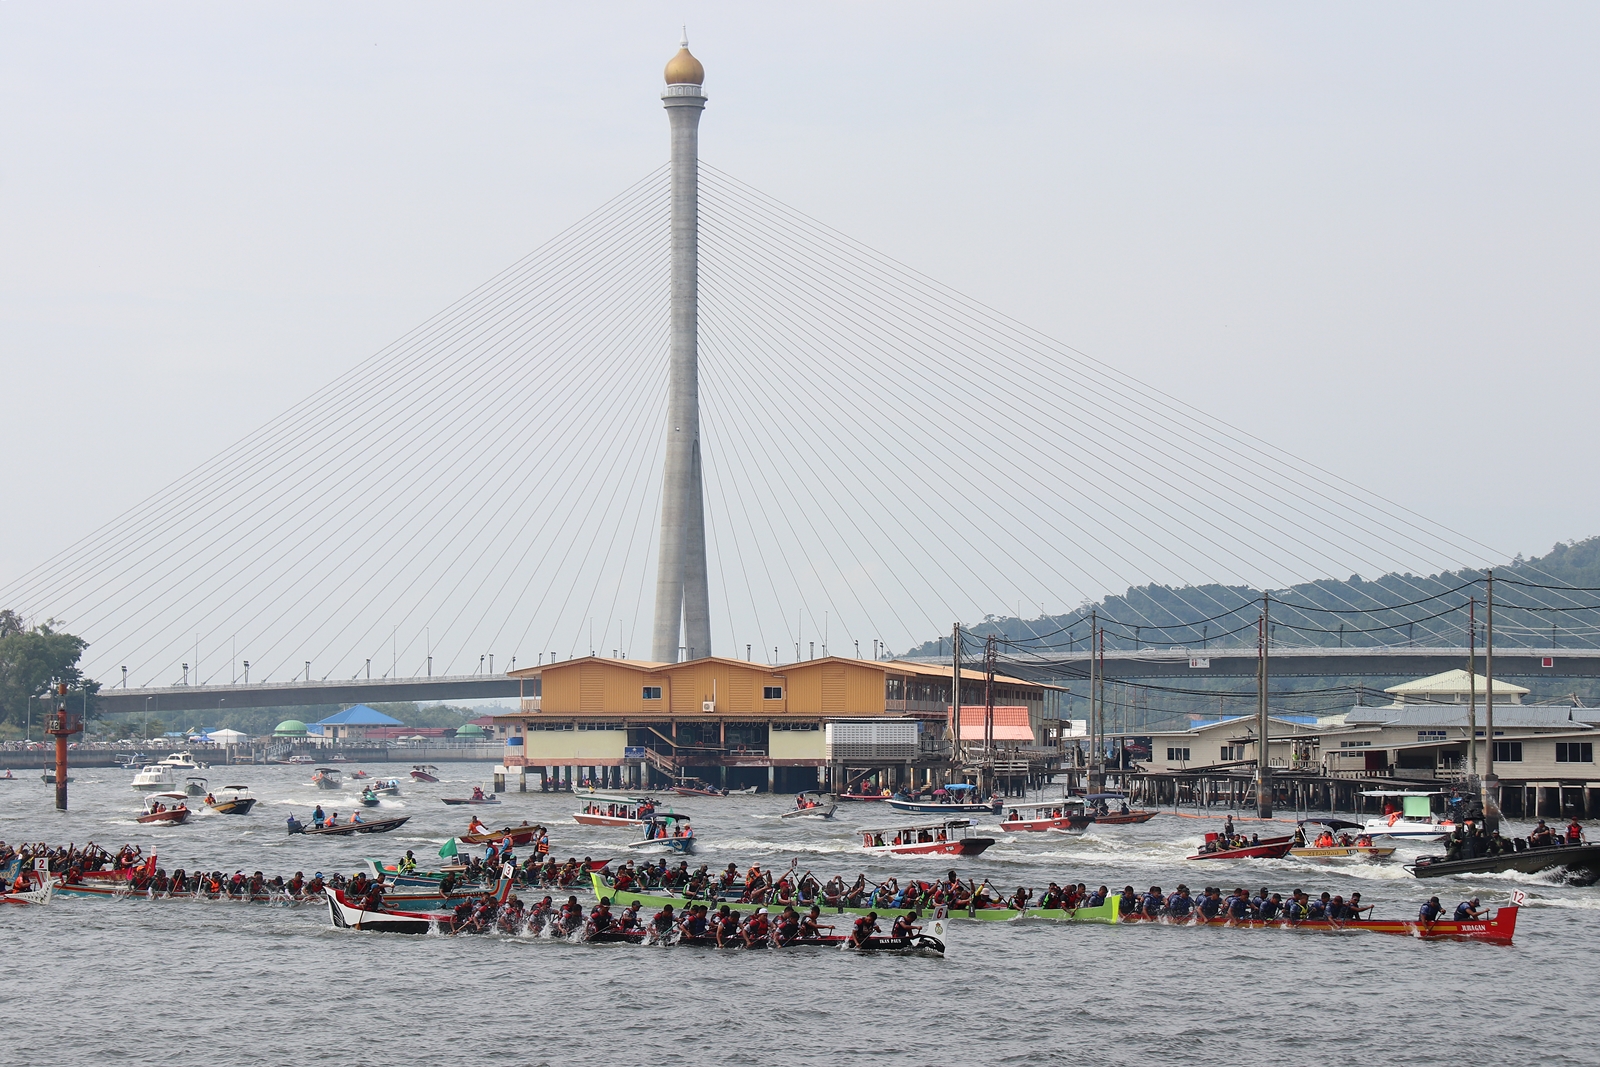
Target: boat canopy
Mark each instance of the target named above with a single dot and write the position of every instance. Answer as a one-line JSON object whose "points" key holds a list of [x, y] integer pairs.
{"points": [[1402, 793], [958, 786], [1058, 802], [1106, 796], [900, 828], [609, 798], [1332, 824], [665, 816]]}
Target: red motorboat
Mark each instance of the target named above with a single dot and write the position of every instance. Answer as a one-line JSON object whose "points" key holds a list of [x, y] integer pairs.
{"points": [[1124, 818], [951, 837], [862, 798], [1217, 847], [165, 808], [425, 774], [1065, 814]]}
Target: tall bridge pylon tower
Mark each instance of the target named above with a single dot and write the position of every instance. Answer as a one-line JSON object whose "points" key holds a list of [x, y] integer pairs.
{"points": [[682, 595]]}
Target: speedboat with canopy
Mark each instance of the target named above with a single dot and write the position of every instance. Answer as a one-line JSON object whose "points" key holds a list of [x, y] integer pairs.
{"points": [[1414, 820], [948, 837], [955, 798], [600, 809]]}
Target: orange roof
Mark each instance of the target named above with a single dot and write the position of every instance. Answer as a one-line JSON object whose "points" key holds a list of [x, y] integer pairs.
{"points": [[1010, 723]]}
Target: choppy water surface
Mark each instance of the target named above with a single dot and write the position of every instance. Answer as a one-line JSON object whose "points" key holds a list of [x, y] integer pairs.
{"points": [[188, 981]]}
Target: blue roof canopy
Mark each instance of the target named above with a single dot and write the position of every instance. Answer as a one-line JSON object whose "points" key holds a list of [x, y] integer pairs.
{"points": [[360, 715]]}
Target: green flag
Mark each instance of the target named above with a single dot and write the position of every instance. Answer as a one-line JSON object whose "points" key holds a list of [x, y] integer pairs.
{"points": [[448, 848]]}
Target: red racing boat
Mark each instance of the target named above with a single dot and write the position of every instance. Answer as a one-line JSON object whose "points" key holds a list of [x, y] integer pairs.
{"points": [[1495, 931], [1264, 848]]}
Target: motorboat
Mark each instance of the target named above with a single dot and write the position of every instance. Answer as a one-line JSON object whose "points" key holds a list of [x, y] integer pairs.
{"points": [[1414, 820], [517, 835], [385, 787], [299, 761], [948, 837], [195, 787], [694, 787], [345, 829], [953, 799], [369, 798], [9, 777], [327, 778], [1578, 864], [812, 806], [602, 810], [1334, 842], [1099, 805], [182, 761], [231, 800], [359, 774], [1217, 847], [667, 830], [1066, 814], [49, 776], [478, 797], [167, 809], [422, 773], [155, 777]]}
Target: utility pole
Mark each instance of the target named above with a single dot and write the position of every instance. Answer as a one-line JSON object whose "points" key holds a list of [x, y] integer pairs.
{"points": [[1263, 748], [1491, 784], [61, 727], [988, 707], [1097, 710], [955, 691], [1472, 692]]}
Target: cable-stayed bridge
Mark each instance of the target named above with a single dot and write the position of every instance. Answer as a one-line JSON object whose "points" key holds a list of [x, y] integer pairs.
{"points": [[877, 455]]}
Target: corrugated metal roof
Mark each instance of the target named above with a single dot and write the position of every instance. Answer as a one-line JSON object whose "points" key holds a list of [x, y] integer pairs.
{"points": [[1451, 683], [1523, 715], [1010, 723]]}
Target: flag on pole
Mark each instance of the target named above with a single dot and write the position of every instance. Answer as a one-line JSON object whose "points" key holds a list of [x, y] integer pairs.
{"points": [[448, 848]]}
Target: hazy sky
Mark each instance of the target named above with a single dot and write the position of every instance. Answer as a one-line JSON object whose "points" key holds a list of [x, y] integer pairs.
{"points": [[1367, 233]]}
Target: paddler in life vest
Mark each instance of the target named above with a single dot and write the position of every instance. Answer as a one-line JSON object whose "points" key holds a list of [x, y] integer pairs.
{"points": [[1575, 832], [1467, 910], [476, 826], [757, 928], [571, 914], [600, 917], [408, 864], [865, 927], [1429, 913], [905, 926]]}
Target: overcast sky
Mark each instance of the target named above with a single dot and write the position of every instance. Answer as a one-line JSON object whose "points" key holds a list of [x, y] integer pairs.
{"points": [[1367, 233]]}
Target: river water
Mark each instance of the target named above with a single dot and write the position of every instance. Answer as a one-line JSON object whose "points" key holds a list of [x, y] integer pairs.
{"points": [[215, 982]]}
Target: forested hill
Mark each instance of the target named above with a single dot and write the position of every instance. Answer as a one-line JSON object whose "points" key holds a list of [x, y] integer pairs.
{"points": [[1395, 609]]}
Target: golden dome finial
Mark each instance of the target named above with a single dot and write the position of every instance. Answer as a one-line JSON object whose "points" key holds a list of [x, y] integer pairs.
{"points": [[683, 68]]}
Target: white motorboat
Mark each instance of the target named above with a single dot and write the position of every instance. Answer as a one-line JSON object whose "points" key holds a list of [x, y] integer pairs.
{"points": [[812, 806], [1414, 821], [153, 777], [182, 761]]}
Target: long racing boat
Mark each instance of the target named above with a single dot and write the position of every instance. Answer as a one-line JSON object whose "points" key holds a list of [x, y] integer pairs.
{"points": [[1495, 931], [658, 898]]}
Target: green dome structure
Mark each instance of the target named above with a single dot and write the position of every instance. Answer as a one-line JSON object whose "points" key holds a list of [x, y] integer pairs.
{"points": [[289, 728], [470, 730]]}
